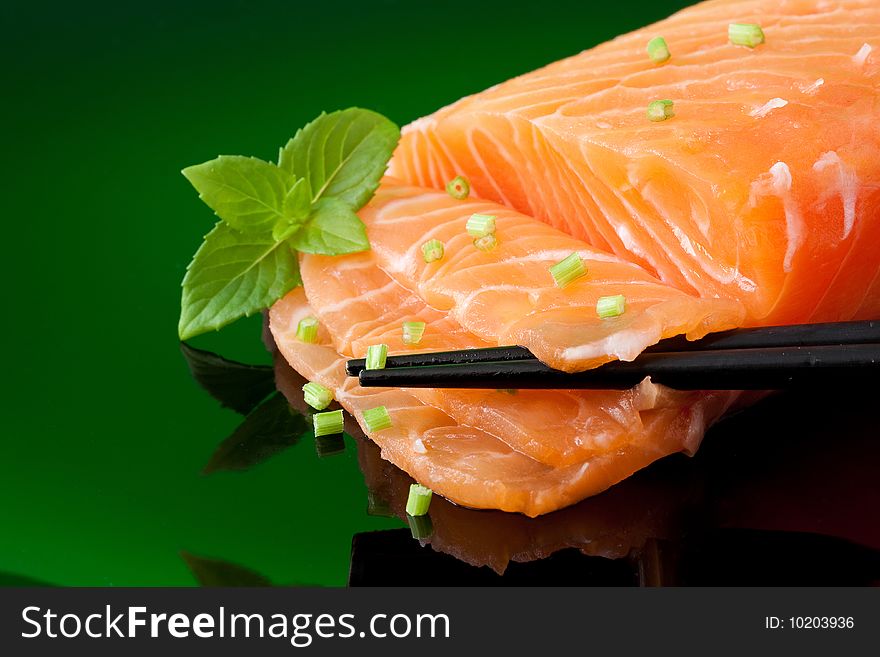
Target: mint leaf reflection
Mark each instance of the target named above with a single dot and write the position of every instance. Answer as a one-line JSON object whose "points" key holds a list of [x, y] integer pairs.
{"points": [[214, 572], [235, 385], [271, 428], [13, 580]]}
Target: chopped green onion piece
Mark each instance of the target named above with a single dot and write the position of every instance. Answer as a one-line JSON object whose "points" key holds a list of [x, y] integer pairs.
{"points": [[432, 250], [508, 391], [413, 332], [419, 500], [567, 271], [660, 110], [376, 355], [378, 506], [745, 34], [420, 527], [611, 306], [486, 242], [480, 225], [317, 396], [377, 419], [307, 330], [458, 188], [329, 445], [658, 50], [326, 424]]}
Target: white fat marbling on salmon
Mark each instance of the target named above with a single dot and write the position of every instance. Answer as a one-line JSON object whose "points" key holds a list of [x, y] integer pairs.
{"points": [[720, 272], [777, 182], [861, 56], [624, 345], [342, 304], [647, 394], [629, 242], [812, 88], [391, 215], [769, 106], [847, 187], [684, 241], [502, 152], [546, 255], [464, 301], [555, 255]]}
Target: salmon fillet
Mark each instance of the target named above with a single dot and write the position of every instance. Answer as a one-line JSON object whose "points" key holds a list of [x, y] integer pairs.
{"points": [[508, 296], [764, 187], [554, 427], [758, 202], [467, 465]]}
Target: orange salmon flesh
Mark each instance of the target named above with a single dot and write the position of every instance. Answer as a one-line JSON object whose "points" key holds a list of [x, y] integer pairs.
{"points": [[756, 203]]}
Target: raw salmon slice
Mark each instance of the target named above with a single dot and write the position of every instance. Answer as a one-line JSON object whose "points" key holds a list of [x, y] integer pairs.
{"points": [[467, 465], [757, 202], [360, 305], [764, 187], [508, 296]]}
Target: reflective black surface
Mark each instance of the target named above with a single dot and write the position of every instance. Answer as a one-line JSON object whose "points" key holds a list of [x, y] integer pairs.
{"points": [[785, 492]]}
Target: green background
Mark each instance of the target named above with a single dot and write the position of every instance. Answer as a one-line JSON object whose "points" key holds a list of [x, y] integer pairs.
{"points": [[104, 431]]}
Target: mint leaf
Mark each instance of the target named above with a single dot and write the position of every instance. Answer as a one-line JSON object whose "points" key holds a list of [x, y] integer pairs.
{"points": [[297, 205], [298, 201], [247, 193], [325, 174], [234, 275], [343, 154], [332, 229]]}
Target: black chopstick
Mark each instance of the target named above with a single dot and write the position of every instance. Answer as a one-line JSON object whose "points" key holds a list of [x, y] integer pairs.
{"points": [[429, 359], [796, 335], [728, 369]]}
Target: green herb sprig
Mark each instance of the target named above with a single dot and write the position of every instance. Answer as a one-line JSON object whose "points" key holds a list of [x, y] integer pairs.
{"points": [[268, 212]]}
